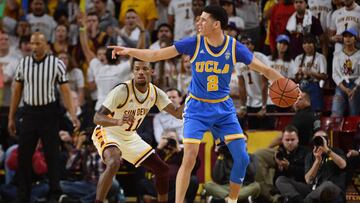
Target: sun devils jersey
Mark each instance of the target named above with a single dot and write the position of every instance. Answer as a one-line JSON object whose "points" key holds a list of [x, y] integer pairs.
{"points": [[125, 99]]}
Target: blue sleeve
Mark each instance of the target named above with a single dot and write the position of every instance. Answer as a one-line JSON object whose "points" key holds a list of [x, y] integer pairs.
{"points": [[186, 46], [243, 54]]}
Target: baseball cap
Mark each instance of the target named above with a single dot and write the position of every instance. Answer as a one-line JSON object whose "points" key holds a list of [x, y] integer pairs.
{"points": [[353, 31], [282, 38]]}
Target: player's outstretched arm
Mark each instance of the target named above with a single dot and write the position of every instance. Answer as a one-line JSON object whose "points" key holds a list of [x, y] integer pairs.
{"points": [[102, 118], [175, 111], [268, 72], [145, 54]]}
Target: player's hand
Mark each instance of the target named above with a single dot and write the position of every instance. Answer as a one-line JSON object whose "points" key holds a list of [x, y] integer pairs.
{"points": [[76, 123], [12, 128], [126, 119], [118, 50]]}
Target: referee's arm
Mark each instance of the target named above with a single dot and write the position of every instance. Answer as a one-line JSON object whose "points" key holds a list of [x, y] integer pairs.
{"points": [[15, 100]]}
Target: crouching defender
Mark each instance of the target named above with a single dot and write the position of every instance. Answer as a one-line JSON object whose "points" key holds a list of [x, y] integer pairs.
{"points": [[115, 137]]}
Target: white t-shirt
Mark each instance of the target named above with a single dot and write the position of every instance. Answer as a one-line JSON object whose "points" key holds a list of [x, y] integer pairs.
{"points": [[45, 24], [346, 67], [252, 80], [107, 76], [343, 19], [124, 99], [76, 79], [9, 64], [238, 21], [184, 18], [320, 9], [318, 66], [285, 68]]}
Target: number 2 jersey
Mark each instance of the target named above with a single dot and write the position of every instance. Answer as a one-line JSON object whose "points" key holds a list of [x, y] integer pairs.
{"points": [[212, 66], [126, 99]]}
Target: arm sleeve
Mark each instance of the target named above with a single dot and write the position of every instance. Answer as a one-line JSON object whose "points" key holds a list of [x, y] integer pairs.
{"points": [[158, 128], [19, 76], [243, 54], [116, 97], [61, 72], [186, 46], [162, 99], [336, 75]]}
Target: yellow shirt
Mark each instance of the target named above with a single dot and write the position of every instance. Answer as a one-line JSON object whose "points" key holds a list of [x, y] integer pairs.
{"points": [[146, 9], [268, 5]]}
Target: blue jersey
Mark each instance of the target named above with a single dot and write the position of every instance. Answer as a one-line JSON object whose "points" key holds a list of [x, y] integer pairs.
{"points": [[212, 66]]}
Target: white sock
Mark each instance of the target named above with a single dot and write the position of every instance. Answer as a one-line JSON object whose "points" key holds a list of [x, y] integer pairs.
{"points": [[232, 200]]}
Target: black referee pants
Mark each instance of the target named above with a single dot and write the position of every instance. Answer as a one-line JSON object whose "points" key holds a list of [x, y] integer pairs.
{"points": [[38, 122]]}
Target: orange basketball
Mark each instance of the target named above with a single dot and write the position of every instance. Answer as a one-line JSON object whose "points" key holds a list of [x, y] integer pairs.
{"points": [[283, 92]]}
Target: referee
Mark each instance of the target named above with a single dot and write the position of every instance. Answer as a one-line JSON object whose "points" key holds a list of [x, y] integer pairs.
{"points": [[36, 79]]}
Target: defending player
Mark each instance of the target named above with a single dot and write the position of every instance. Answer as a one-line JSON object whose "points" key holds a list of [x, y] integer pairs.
{"points": [[118, 118], [209, 106]]}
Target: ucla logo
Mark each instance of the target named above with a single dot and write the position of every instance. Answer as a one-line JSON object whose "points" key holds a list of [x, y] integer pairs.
{"points": [[227, 55], [211, 67]]}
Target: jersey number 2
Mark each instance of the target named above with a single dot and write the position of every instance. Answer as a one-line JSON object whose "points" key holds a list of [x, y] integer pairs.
{"points": [[212, 83], [136, 127]]}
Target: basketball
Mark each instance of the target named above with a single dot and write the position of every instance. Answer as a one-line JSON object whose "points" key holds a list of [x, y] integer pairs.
{"points": [[283, 92]]}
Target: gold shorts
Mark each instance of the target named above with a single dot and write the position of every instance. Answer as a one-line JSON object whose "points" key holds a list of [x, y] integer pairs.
{"points": [[135, 150]]}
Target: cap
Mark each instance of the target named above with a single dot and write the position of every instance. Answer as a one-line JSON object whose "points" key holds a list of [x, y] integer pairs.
{"points": [[353, 31], [282, 38]]}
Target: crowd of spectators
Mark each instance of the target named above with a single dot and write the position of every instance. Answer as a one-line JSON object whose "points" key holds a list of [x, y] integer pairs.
{"points": [[313, 42]]}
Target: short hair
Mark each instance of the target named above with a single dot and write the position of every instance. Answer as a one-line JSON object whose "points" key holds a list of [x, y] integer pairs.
{"points": [[173, 89], [24, 39], [134, 59], [93, 13], [290, 129], [218, 13], [165, 25]]}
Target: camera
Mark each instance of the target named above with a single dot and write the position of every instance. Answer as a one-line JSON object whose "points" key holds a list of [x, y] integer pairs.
{"points": [[280, 155], [318, 141], [171, 143]]}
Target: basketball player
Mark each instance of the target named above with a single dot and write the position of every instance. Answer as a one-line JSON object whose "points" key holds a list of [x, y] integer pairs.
{"points": [[209, 106], [115, 137]]}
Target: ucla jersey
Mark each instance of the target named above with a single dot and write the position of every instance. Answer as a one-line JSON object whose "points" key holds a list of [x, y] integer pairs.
{"points": [[212, 71]]}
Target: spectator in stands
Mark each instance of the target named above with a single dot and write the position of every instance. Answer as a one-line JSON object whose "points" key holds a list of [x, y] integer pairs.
{"points": [[302, 23], [106, 19], [130, 33], [40, 186], [165, 70], [218, 188], [181, 18], [310, 71], [253, 89], [61, 43], [89, 24], [320, 9], [185, 75], [106, 76], [145, 9], [170, 152], [86, 163], [234, 20], [280, 14], [305, 120], [324, 175], [22, 29], [163, 120], [266, 15], [343, 19], [75, 75], [249, 12], [40, 21], [346, 75]]}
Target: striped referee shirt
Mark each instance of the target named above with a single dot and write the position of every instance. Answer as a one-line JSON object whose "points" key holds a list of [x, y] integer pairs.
{"points": [[39, 79]]}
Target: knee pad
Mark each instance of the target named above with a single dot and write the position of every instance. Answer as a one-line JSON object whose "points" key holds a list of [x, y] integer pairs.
{"points": [[238, 152]]}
